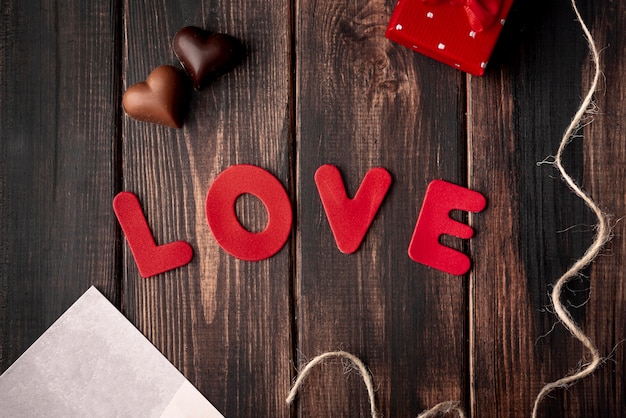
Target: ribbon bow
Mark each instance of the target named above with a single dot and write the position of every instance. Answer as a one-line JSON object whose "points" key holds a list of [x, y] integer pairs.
{"points": [[481, 14]]}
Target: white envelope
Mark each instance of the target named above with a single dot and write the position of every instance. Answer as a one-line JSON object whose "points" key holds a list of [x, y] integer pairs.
{"points": [[92, 362]]}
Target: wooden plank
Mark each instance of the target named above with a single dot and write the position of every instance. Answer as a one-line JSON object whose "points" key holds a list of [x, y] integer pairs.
{"points": [[57, 162], [535, 228], [363, 102], [223, 322], [604, 317]]}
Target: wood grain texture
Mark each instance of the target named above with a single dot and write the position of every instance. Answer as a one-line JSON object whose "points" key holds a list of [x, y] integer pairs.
{"points": [[605, 164], [364, 102], [535, 227], [604, 161], [57, 163], [225, 323], [320, 85]]}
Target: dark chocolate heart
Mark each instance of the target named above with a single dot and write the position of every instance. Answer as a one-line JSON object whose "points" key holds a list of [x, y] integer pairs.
{"points": [[206, 56], [160, 99]]}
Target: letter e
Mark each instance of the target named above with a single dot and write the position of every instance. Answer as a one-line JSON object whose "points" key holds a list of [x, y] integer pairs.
{"points": [[434, 220]]}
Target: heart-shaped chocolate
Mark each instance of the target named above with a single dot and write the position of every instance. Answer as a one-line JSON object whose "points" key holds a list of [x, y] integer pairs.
{"points": [[206, 56], [160, 99]]}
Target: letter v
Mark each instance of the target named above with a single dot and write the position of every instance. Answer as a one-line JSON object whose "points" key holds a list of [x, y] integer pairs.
{"points": [[350, 219]]}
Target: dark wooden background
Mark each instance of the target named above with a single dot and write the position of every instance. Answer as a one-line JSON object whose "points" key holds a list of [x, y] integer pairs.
{"points": [[320, 84]]}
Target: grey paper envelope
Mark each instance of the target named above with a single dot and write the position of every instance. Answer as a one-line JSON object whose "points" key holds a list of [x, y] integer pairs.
{"points": [[92, 362]]}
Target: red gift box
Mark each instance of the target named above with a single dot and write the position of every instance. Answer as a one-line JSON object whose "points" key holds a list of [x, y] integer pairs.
{"points": [[460, 33]]}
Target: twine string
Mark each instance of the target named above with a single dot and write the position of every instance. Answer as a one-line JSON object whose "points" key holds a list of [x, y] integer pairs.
{"points": [[367, 378], [603, 232], [441, 408]]}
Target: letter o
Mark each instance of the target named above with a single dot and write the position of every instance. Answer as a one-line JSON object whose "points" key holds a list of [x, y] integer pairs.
{"points": [[222, 217]]}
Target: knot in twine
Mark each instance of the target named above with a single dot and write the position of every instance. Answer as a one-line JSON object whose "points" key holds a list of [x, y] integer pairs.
{"points": [[481, 14], [442, 408]]}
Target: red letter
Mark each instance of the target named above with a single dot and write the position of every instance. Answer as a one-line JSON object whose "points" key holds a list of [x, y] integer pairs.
{"points": [[220, 211], [350, 219], [434, 221], [151, 259]]}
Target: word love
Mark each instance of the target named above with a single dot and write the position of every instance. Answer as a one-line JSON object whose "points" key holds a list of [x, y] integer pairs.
{"points": [[349, 219]]}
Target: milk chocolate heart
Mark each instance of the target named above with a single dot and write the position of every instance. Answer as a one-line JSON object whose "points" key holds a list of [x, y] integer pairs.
{"points": [[160, 99], [206, 56]]}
